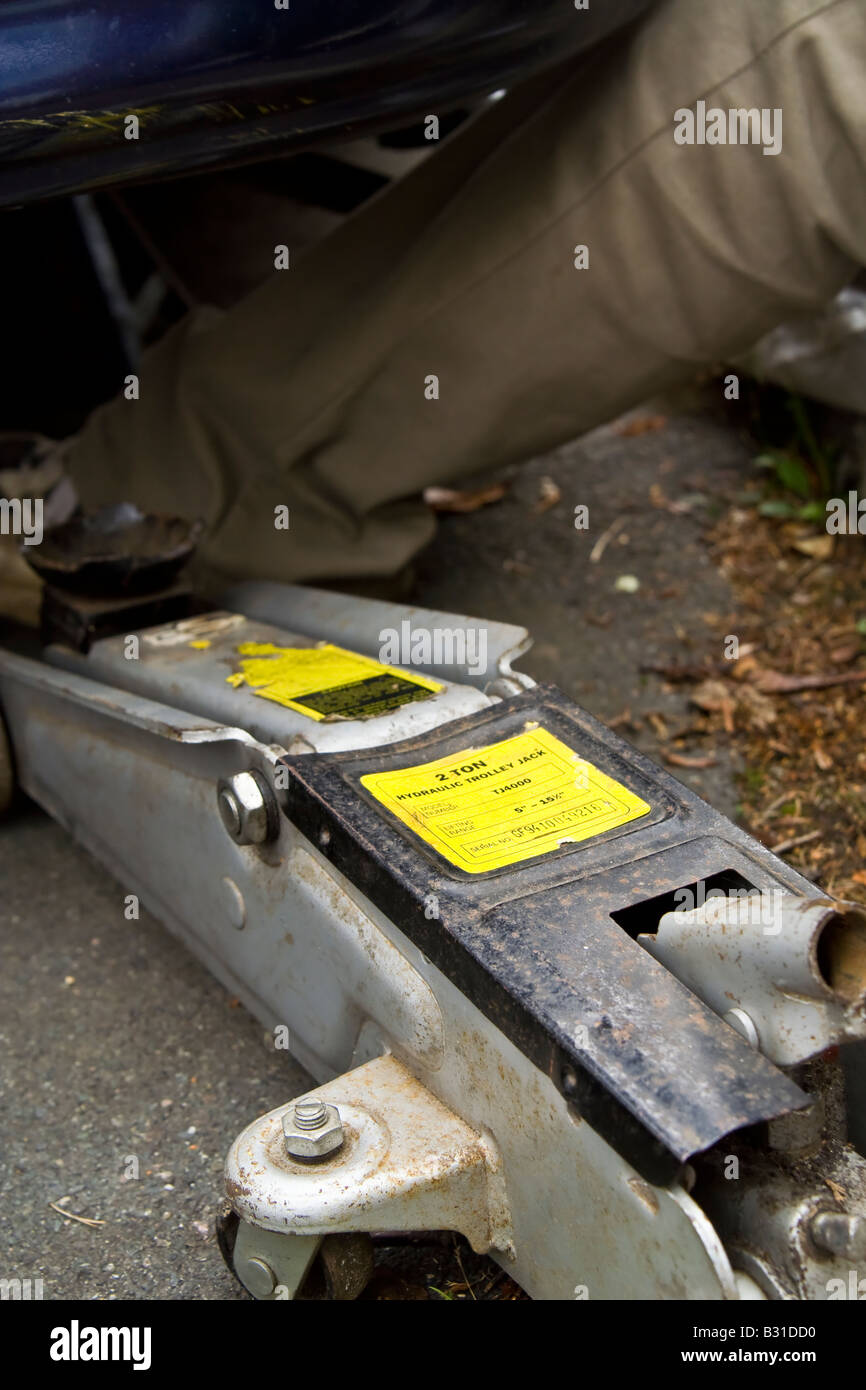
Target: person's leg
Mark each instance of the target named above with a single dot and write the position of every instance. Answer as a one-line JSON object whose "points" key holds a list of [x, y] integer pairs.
{"points": [[311, 392]]}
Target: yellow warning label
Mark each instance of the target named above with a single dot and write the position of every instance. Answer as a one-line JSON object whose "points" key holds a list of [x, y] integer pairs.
{"points": [[327, 682], [509, 801]]}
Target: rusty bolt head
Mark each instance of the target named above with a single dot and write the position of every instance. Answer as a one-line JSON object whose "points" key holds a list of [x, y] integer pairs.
{"points": [[312, 1129]]}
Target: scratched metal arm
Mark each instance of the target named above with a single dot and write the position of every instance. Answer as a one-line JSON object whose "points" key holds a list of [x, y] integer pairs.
{"points": [[553, 1000]]}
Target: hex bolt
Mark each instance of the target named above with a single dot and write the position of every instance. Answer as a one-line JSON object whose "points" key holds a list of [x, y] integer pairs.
{"points": [[310, 1114], [312, 1129], [258, 1277], [839, 1234], [248, 808]]}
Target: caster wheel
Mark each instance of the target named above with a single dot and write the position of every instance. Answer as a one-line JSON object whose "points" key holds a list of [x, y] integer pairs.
{"points": [[271, 1266]]}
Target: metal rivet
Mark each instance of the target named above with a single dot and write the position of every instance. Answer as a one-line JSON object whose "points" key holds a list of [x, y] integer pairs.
{"points": [[259, 1278], [236, 908], [741, 1023]]}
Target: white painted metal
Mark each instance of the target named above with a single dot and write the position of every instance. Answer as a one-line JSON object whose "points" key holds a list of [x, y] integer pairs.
{"points": [[135, 782], [359, 623], [407, 1163], [195, 679]]}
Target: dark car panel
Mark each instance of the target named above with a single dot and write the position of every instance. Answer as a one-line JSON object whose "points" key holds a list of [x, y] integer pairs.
{"points": [[221, 81]]}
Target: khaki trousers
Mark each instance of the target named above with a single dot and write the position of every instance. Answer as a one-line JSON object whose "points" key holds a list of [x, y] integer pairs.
{"points": [[314, 393]]}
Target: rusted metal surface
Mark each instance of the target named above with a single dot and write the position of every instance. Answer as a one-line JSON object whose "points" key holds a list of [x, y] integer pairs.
{"points": [[356, 622], [115, 550], [771, 1223], [80, 620], [538, 949], [407, 1163], [170, 669], [134, 780], [796, 967]]}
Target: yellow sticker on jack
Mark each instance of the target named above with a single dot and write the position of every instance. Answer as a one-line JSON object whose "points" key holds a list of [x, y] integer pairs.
{"points": [[327, 682], [489, 807]]}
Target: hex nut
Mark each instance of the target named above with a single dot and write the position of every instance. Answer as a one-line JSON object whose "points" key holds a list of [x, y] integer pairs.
{"points": [[247, 807], [304, 1142]]}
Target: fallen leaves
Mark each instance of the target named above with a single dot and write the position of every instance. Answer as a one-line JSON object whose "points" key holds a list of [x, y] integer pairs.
{"points": [[680, 506], [446, 499], [684, 760], [641, 424], [787, 701], [798, 693], [823, 761], [818, 547], [780, 683]]}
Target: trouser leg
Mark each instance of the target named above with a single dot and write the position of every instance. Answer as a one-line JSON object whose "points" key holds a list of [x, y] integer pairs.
{"points": [[314, 392]]}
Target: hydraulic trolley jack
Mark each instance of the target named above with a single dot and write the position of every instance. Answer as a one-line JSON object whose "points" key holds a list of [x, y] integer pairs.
{"points": [[555, 1002]]}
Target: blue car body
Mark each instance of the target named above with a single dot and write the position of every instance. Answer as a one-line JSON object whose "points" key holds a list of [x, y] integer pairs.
{"points": [[214, 82]]}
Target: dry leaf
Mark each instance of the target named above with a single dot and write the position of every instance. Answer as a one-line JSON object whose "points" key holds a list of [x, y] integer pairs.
{"points": [[446, 499], [548, 495], [757, 709], [642, 424], [681, 760], [842, 655], [743, 668], [777, 682], [818, 547], [822, 760], [711, 695], [661, 729]]}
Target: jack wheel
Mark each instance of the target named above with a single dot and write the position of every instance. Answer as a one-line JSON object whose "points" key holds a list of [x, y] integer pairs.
{"points": [[339, 1271]]}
